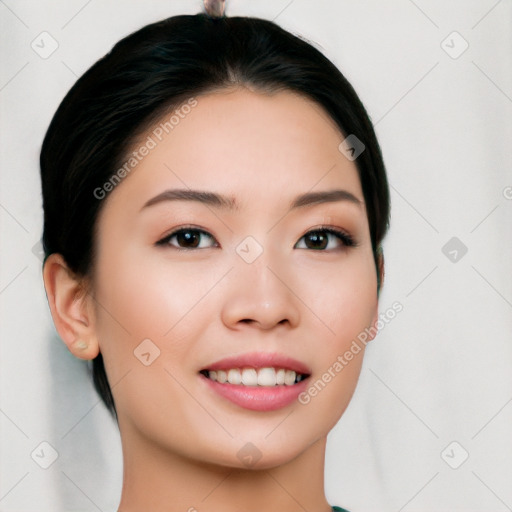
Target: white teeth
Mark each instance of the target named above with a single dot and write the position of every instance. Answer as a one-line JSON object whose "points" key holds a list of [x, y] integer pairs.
{"points": [[267, 377], [289, 377], [234, 376], [251, 377]]}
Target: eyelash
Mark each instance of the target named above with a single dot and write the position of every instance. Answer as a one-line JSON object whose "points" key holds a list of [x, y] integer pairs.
{"points": [[346, 239]]}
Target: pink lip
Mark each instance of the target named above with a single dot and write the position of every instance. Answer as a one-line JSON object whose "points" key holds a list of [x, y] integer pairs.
{"points": [[258, 398], [259, 360]]}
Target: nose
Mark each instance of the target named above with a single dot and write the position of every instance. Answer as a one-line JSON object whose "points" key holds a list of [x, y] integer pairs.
{"points": [[260, 295]]}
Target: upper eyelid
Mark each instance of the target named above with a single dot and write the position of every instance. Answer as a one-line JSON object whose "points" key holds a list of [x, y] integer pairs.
{"points": [[174, 232], [347, 238], [187, 227]]}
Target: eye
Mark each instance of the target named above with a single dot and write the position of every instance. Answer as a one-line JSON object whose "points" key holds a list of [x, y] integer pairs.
{"points": [[319, 239], [188, 238]]}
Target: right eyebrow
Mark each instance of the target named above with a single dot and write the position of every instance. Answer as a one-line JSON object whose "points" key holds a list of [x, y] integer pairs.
{"points": [[210, 198]]}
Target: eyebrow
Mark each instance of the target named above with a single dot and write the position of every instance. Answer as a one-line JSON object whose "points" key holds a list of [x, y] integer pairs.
{"points": [[230, 203]]}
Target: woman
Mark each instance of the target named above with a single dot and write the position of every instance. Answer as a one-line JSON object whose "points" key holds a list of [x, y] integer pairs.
{"points": [[214, 203]]}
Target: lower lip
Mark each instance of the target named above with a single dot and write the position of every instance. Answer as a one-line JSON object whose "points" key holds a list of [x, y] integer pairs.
{"points": [[258, 398]]}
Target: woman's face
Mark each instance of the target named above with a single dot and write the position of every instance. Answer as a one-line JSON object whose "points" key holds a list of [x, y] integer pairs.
{"points": [[248, 274]]}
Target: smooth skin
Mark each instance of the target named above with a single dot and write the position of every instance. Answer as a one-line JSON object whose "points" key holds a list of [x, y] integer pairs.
{"points": [[181, 440]]}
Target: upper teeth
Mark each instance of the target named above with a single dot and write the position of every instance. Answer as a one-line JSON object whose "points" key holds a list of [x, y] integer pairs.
{"points": [[253, 377]]}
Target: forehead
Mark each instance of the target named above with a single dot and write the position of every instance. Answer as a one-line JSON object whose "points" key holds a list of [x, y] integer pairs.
{"points": [[246, 144]]}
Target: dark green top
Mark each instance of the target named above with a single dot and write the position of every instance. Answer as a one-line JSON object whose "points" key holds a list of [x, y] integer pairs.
{"points": [[339, 509]]}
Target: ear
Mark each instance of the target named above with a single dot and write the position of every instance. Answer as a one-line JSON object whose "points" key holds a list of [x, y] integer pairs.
{"points": [[71, 308]]}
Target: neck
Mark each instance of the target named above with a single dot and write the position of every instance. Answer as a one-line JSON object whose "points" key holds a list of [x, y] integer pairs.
{"points": [[158, 480]]}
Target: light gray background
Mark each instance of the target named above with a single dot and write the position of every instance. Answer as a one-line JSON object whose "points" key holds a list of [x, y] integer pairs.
{"points": [[439, 372]]}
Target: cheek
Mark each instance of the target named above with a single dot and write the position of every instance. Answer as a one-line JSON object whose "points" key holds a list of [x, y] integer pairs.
{"points": [[345, 303], [343, 298], [146, 337], [154, 300], [329, 393], [149, 297]]}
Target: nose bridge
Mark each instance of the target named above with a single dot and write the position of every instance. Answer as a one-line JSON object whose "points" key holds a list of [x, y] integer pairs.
{"points": [[258, 290]]}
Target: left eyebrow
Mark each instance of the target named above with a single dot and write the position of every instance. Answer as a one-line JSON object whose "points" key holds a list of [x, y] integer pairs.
{"points": [[229, 203], [328, 196]]}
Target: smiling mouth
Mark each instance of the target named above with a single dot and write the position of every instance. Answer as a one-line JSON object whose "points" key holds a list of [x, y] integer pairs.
{"points": [[262, 377]]}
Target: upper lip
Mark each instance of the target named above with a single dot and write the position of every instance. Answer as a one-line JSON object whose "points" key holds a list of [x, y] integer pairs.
{"points": [[259, 360]]}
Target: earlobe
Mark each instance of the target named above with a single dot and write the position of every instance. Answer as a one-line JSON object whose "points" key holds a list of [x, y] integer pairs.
{"points": [[70, 306]]}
